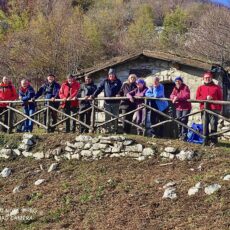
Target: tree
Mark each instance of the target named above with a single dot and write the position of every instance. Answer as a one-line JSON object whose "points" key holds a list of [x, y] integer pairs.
{"points": [[141, 30], [175, 25]]}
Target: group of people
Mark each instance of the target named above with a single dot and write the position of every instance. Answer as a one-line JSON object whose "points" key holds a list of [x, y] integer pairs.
{"points": [[134, 89]]}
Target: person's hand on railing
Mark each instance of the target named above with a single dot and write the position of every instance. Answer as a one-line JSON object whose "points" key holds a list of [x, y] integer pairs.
{"points": [[86, 97], [209, 97], [52, 99], [91, 97], [174, 100], [132, 99], [20, 98]]}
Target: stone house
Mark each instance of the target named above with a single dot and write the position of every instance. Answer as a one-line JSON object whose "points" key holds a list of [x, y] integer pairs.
{"points": [[166, 66]]}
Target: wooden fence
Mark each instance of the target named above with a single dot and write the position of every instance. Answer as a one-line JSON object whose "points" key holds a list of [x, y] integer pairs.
{"points": [[14, 107]]}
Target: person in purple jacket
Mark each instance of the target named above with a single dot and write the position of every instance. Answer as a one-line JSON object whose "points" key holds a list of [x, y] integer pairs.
{"points": [[179, 96], [138, 92]]}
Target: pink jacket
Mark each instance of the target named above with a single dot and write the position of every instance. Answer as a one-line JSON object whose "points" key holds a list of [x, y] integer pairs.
{"points": [[182, 94]]}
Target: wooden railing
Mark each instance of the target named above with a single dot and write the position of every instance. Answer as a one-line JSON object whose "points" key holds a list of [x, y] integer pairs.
{"points": [[15, 107]]}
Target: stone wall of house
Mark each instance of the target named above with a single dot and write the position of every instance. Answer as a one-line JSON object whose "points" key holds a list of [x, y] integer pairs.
{"points": [[163, 69]]}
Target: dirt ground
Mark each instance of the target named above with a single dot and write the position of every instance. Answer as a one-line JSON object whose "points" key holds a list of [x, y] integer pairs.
{"points": [[117, 193]]}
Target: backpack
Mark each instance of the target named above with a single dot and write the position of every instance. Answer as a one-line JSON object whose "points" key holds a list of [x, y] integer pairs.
{"points": [[193, 137]]}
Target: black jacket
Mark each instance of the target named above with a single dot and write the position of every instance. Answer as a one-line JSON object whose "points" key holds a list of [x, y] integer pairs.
{"points": [[126, 88], [86, 90]]}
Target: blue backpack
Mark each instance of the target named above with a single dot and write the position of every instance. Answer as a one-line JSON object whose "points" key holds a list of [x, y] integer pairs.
{"points": [[193, 137]]}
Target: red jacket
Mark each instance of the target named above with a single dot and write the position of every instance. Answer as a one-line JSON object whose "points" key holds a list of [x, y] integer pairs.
{"points": [[67, 91], [213, 90], [182, 94], [7, 93]]}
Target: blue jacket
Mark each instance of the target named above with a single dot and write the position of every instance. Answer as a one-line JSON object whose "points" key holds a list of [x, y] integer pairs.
{"points": [[157, 92], [26, 96], [110, 88], [49, 91]]}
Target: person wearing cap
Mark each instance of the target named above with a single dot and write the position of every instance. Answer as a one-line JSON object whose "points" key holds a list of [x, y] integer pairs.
{"points": [[157, 91], [26, 94], [50, 90], [179, 97], [111, 86], [68, 92], [138, 92], [126, 105], [7, 93], [212, 92], [86, 90]]}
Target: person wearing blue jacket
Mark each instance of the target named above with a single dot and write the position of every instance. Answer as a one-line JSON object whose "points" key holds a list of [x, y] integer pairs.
{"points": [[157, 91], [26, 93], [111, 86], [50, 90]]}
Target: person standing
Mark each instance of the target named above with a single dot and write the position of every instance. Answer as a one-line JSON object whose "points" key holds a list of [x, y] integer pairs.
{"points": [[86, 90], [111, 86], [127, 106], [26, 94], [68, 91], [179, 97], [7, 93], [138, 92], [212, 92], [157, 91], [50, 90]]}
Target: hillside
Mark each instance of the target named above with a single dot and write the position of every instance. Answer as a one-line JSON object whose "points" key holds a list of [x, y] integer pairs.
{"points": [[115, 193]]}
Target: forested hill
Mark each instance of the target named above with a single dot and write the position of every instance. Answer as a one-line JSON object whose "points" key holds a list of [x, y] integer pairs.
{"points": [[59, 36]]}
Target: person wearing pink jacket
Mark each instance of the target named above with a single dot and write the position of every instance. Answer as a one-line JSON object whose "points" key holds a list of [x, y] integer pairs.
{"points": [[179, 96]]}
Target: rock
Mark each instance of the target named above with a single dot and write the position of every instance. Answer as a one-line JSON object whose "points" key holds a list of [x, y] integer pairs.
{"points": [[98, 146], [170, 149], [192, 191], [17, 152], [14, 212], [167, 155], [71, 145], [39, 155], [18, 188], [57, 158], [83, 138], [212, 188], [79, 145], [170, 184], [95, 140], [76, 156], [128, 142], [198, 185], [23, 147], [185, 155], [67, 156], [38, 182], [5, 172], [28, 136], [57, 151], [109, 142], [116, 149], [28, 142], [86, 153], [227, 177], [132, 154], [27, 154], [87, 146], [6, 153], [134, 148], [53, 167], [97, 153], [68, 149], [141, 158], [114, 155], [170, 193], [148, 152], [117, 138], [108, 150]]}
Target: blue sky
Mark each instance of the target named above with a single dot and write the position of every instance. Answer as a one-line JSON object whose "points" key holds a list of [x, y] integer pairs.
{"points": [[224, 2]]}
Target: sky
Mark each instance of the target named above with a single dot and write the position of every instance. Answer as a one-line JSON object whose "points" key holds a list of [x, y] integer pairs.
{"points": [[224, 2]]}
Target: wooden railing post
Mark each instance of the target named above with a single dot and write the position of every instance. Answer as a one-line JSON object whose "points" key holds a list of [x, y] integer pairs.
{"points": [[205, 123], [145, 130], [48, 117], [9, 119], [93, 116]]}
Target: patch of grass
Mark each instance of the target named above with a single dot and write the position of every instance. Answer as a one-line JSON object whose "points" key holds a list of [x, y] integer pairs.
{"points": [[86, 197]]}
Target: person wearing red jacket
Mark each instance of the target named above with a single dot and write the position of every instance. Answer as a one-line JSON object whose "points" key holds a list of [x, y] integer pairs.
{"points": [[210, 91], [69, 91], [179, 96], [7, 93]]}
